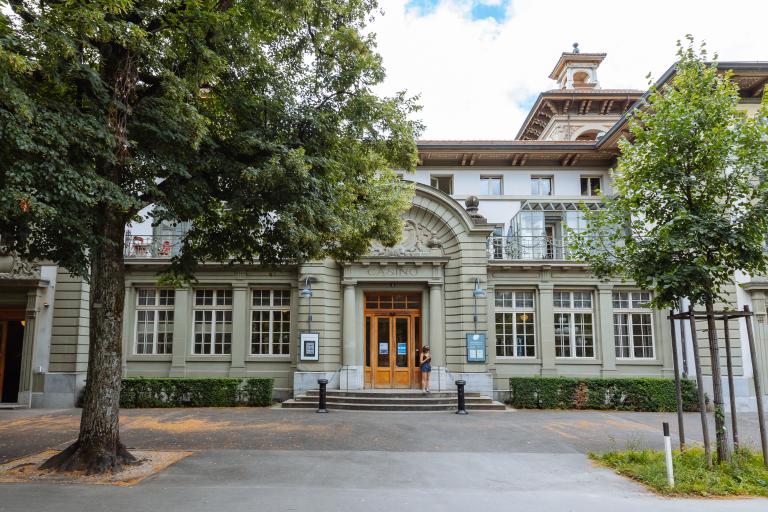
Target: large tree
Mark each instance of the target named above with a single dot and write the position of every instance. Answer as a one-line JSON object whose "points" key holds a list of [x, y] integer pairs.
{"points": [[691, 199], [256, 121]]}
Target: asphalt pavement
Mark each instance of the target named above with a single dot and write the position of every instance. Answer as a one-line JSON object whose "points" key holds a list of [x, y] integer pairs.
{"points": [[296, 460]]}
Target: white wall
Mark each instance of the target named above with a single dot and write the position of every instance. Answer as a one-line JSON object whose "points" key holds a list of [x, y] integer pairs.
{"points": [[516, 186]]}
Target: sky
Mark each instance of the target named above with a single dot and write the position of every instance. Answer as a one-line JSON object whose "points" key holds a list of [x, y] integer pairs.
{"points": [[478, 65]]}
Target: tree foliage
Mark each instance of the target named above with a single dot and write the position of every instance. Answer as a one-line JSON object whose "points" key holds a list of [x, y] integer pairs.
{"points": [[691, 199], [257, 121]]}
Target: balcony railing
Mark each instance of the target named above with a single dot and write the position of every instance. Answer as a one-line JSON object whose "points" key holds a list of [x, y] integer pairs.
{"points": [[528, 248], [151, 247]]}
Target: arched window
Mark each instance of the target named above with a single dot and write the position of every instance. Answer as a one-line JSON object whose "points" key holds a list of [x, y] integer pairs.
{"points": [[588, 135], [580, 79]]}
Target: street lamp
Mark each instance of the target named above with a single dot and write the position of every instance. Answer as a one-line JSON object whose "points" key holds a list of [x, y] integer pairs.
{"points": [[306, 293], [478, 293]]}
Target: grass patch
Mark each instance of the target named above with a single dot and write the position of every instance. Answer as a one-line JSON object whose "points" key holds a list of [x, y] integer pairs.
{"points": [[745, 475]]}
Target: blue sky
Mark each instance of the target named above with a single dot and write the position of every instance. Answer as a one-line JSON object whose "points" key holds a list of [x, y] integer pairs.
{"points": [[479, 65], [476, 9]]}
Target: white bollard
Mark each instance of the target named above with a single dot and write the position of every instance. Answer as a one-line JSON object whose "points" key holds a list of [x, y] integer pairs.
{"points": [[668, 455]]}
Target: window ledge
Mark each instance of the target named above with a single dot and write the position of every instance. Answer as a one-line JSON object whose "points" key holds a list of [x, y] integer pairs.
{"points": [[638, 362], [207, 357], [517, 360], [268, 358], [578, 360], [149, 357]]}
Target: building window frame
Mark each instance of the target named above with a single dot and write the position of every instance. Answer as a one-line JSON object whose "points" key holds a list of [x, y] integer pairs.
{"points": [[633, 321], [536, 182], [212, 322], [434, 182], [275, 312], [574, 309], [590, 190], [486, 180], [154, 309], [515, 323]]}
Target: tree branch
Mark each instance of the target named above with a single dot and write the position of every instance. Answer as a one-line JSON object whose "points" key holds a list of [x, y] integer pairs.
{"points": [[17, 6]]}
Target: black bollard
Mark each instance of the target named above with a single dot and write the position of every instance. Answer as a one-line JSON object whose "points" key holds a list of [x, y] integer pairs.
{"points": [[321, 407], [462, 402]]}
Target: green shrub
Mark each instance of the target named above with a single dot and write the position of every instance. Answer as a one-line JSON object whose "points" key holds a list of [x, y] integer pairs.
{"points": [[626, 394], [190, 392]]}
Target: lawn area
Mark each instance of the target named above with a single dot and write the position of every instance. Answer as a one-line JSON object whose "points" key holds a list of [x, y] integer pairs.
{"points": [[745, 475]]}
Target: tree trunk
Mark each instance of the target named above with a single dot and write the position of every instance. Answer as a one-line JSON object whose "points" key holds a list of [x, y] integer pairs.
{"points": [[98, 448], [721, 438]]}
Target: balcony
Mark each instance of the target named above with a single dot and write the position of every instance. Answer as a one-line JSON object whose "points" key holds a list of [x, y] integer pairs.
{"points": [[151, 247], [528, 248]]}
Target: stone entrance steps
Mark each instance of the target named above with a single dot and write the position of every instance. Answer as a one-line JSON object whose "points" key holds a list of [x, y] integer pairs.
{"points": [[393, 400]]}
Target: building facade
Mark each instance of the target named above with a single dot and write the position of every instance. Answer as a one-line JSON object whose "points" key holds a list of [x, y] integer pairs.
{"points": [[482, 275]]}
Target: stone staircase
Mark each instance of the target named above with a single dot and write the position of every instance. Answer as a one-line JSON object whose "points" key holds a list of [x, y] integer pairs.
{"points": [[393, 400]]}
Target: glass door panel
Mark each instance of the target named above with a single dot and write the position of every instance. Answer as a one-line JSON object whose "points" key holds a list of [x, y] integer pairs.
{"points": [[382, 350], [382, 339], [401, 342], [402, 345]]}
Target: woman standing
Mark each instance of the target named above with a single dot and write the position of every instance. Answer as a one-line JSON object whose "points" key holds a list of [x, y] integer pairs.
{"points": [[424, 362]]}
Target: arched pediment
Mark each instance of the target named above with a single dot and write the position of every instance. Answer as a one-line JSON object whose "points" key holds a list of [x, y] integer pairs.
{"points": [[434, 226], [417, 241]]}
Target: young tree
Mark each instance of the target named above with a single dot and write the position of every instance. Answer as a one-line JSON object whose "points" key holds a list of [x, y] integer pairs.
{"points": [[254, 120], [690, 207]]}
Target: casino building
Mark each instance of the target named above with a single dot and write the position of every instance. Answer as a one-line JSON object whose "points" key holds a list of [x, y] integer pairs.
{"points": [[483, 275]]}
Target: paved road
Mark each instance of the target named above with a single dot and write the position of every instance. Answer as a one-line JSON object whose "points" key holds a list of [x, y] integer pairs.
{"points": [[291, 460]]}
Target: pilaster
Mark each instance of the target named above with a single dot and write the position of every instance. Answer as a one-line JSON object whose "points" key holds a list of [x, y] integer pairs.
{"points": [[546, 329], [436, 339], [239, 329], [182, 335], [129, 319], [351, 374], [605, 328]]}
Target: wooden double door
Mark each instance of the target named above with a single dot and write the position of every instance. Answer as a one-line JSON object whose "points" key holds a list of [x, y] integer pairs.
{"points": [[392, 340]]}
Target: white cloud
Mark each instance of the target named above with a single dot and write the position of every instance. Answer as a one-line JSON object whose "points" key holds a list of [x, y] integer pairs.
{"points": [[475, 77]]}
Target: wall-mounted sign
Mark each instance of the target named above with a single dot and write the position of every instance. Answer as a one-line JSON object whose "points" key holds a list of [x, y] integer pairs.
{"points": [[402, 348], [475, 347], [384, 348], [310, 346]]}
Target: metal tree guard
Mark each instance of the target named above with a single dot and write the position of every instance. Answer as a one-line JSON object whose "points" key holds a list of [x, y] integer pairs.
{"points": [[725, 316], [678, 390]]}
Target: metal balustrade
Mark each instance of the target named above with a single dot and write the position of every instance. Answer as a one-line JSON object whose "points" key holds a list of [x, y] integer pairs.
{"points": [[151, 247], [528, 248]]}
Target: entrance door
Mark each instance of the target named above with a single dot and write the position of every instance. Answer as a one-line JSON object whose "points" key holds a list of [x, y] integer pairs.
{"points": [[392, 341], [11, 339]]}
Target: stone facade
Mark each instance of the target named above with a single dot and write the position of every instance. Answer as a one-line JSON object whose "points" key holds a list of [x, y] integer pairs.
{"points": [[495, 266]]}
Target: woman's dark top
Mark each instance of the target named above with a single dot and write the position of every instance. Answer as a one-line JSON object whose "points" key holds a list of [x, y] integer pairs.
{"points": [[425, 367]]}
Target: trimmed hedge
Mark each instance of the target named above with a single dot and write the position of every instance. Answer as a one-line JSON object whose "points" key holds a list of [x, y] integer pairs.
{"points": [[624, 394], [190, 392]]}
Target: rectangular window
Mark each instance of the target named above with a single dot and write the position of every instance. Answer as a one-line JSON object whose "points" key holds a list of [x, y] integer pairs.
{"points": [[442, 183], [213, 322], [271, 322], [632, 325], [154, 321], [497, 243], [515, 325], [590, 185], [574, 332], [541, 185], [490, 185]]}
